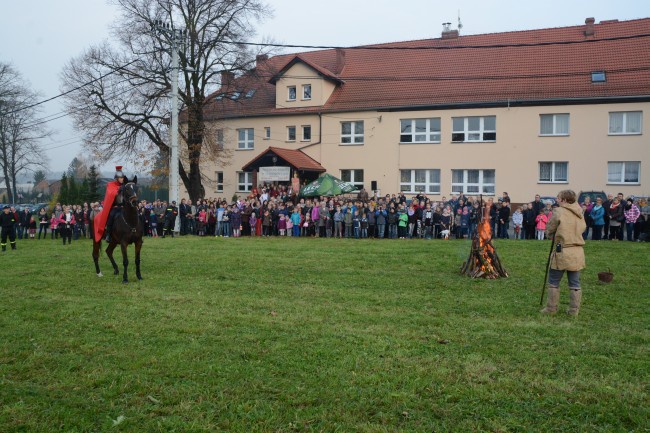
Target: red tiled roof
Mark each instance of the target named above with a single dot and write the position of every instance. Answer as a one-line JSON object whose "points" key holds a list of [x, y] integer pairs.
{"points": [[556, 65], [327, 74], [296, 158]]}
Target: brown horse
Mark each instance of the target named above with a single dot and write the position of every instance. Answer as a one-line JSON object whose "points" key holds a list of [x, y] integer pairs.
{"points": [[127, 229]]}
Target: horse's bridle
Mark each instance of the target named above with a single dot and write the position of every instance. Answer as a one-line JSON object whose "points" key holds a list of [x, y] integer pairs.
{"points": [[133, 201]]}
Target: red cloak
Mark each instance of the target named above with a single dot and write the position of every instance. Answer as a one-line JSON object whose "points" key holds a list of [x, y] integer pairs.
{"points": [[99, 222]]}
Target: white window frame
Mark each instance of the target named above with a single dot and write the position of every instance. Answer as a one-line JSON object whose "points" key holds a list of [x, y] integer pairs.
{"points": [[625, 123], [306, 128], [291, 89], [482, 131], [219, 185], [267, 133], [483, 187], [555, 132], [430, 136], [553, 172], [220, 138], [291, 130], [248, 142], [247, 181], [429, 186], [354, 135], [354, 174], [306, 87], [622, 180]]}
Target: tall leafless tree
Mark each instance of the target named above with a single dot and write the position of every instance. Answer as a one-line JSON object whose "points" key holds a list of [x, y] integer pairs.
{"points": [[20, 130], [124, 111]]}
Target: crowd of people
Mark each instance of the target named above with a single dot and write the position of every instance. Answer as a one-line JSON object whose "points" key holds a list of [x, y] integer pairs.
{"points": [[271, 211]]}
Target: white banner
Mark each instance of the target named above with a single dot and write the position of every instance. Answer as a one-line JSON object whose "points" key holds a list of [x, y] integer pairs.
{"points": [[274, 174]]}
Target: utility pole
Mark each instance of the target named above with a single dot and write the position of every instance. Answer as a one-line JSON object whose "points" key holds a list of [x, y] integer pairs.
{"points": [[175, 37]]}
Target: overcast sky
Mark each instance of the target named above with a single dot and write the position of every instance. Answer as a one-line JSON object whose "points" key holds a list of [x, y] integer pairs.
{"points": [[38, 37]]}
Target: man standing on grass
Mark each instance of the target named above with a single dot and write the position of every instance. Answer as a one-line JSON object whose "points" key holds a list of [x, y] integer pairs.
{"points": [[565, 228], [8, 223]]}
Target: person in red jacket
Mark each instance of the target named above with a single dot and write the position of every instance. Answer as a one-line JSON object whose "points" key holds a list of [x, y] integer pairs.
{"points": [[110, 208]]}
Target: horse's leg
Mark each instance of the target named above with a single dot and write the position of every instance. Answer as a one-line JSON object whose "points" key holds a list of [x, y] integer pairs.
{"points": [[109, 253], [125, 262], [96, 248], [138, 246]]}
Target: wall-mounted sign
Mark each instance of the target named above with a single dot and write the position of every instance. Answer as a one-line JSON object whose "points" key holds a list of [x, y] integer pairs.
{"points": [[274, 174]]}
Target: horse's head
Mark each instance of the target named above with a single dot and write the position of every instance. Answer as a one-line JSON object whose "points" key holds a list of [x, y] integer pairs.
{"points": [[129, 191]]}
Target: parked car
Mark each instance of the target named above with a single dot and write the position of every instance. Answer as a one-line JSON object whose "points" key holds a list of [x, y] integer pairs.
{"points": [[547, 199], [593, 195]]}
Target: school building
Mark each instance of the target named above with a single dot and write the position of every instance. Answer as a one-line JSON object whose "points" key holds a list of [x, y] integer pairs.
{"points": [[525, 112]]}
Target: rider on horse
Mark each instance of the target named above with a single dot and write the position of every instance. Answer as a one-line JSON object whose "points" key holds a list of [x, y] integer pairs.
{"points": [[106, 217]]}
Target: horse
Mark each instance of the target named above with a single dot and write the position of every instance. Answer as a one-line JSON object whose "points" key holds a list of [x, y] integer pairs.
{"points": [[127, 229]]}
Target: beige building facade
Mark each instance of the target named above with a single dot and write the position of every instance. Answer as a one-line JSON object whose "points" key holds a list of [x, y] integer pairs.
{"points": [[596, 139]]}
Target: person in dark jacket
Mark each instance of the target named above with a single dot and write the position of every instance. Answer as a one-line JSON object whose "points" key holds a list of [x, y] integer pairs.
{"points": [[8, 225], [170, 219], [504, 220]]}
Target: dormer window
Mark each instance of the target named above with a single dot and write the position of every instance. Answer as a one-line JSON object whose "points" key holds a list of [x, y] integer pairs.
{"points": [[306, 91], [598, 77], [250, 93], [235, 95], [291, 95]]}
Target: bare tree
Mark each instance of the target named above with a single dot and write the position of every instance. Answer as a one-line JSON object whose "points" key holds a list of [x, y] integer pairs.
{"points": [[125, 109], [20, 132]]}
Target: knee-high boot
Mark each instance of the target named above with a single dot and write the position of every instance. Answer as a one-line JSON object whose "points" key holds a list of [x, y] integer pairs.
{"points": [[553, 299], [575, 297]]}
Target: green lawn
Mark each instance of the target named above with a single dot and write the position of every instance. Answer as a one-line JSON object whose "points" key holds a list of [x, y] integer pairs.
{"points": [[316, 335]]}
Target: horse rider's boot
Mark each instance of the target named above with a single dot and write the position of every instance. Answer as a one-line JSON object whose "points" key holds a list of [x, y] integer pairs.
{"points": [[575, 296], [552, 300], [13, 245]]}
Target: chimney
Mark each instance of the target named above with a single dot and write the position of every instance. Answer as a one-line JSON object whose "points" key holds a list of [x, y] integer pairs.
{"points": [[447, 32], [589, 26], [261, 58], [340, 61], [226, 78]]}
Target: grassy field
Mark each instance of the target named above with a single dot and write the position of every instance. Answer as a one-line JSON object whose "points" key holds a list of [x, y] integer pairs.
{"points": [[316, 335]]}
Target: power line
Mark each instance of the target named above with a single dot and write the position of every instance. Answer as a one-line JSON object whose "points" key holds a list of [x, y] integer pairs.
{"points": [[452, 47], [71, 90]]}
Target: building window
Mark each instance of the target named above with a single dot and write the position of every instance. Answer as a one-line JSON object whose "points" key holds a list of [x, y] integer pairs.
{"points": [[416, 181], [250, 93], [246, 139], [352, 132], [553, 172], [474, 128], [267, 132], [291, 133], [625, 122], [623, 171], [220, 139], [554, 124], [291, 96], [244, 181], [306, 91], [355, 177], [420, 130], [306, 133], [472, 181], [219, 178], [598, 77]]}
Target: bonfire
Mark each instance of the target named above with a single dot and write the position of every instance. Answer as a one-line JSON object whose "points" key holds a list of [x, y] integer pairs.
{"points": [[483, 260]]}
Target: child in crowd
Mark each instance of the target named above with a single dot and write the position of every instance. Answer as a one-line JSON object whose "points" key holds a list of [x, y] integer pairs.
{"points": [[289, 225], [235, 222], [32, 227], [347, 222], [295, 220], [266, 224], [282, 225], [364, 226], [253, 222], [356, 224], [540, 228], [517, 221], [202, 219], [153, 224], [225, 222], [54, 227], [338, 223], [306, 226]]}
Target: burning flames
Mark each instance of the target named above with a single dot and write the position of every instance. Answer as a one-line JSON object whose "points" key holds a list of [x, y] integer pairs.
{"points": [[483, 260]]}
